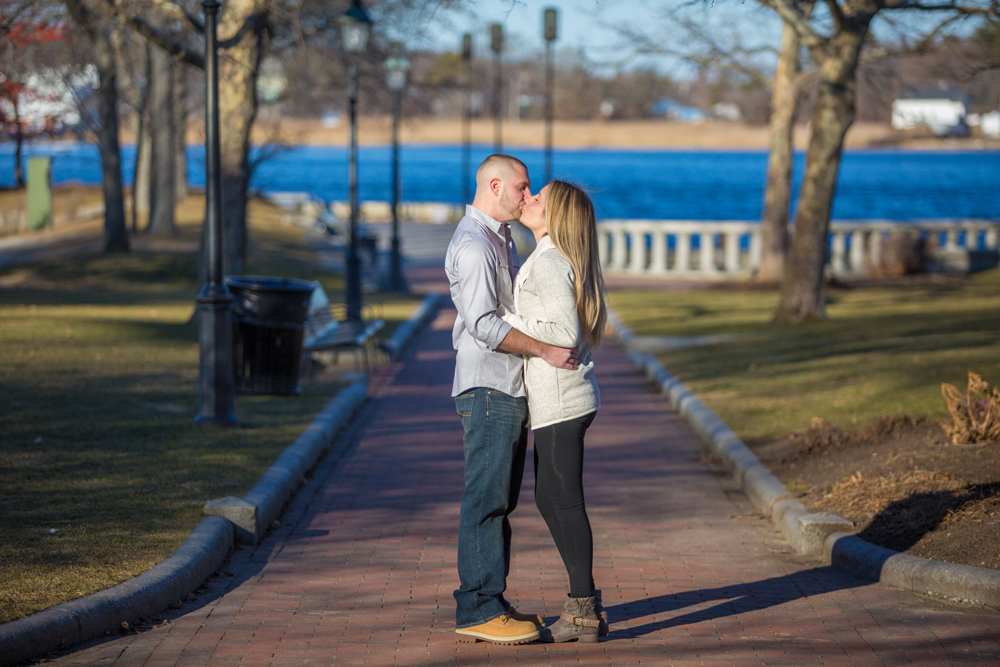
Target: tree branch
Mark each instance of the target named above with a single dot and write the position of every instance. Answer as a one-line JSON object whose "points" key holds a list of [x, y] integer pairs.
{"points": [[837, 13], [793, 16], [254, 22], [179, 13], [160, 38]]}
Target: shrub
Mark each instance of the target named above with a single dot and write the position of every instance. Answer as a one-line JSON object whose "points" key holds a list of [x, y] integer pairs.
{"points": [[975, 416]]}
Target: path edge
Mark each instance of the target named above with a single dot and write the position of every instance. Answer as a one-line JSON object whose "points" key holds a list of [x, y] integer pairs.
{"points": [[405, 332], [822, 534], [199, 556]]}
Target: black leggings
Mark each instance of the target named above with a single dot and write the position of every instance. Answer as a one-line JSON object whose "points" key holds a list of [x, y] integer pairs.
{"points": [[559, 496]]}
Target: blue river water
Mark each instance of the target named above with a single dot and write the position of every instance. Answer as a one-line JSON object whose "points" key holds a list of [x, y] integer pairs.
{"points": [[625, 183]]}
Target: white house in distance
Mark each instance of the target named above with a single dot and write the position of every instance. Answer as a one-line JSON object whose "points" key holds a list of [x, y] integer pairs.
{"points": [[941, 109]]}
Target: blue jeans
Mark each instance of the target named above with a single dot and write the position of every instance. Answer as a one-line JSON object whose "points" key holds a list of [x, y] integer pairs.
{"points": [[496, 439]]}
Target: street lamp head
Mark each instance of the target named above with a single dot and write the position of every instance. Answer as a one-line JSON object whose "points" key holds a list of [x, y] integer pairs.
{"points": [[551, 19], [354, 28], [396, 68], [496, 35]]}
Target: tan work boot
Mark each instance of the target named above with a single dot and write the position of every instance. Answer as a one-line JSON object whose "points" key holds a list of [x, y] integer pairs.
{"points": [[530, 618], [501, 630]]}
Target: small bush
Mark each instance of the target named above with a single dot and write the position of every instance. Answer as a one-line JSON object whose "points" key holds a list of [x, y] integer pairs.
{"points": [[975, 416]]}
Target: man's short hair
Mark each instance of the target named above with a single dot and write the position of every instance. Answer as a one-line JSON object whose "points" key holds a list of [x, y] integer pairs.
{"points": [[496, 164]]}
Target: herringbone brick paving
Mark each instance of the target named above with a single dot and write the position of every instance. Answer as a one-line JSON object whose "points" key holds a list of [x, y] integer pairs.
{"points": [[363, 570]]}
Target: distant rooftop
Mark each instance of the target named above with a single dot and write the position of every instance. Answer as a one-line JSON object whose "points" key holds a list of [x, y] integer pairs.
{"points": [[938, 92]]}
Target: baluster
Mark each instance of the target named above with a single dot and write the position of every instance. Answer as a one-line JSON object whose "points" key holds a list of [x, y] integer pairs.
{"points": [[951, 240], [732, 257], [707, 252], [618, 249], [756, 248], [857, 251], [637, 263], [602, 246], [659, 264], [991, 238], [875, 249], [837, 260], [682, 252]]}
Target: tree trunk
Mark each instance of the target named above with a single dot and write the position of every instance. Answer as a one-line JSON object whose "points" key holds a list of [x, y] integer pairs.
{"points": [[161, 106], [115, 230], [778, 191], [19, 139], [143, 166], [237, 111], [180, 132], [803, 284], [140, 171]]}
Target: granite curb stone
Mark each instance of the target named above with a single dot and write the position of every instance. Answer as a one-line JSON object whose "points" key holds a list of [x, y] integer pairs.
{"points": [[401, 337], [94, 615], [821, 534], [209, 544], [288, 473]]}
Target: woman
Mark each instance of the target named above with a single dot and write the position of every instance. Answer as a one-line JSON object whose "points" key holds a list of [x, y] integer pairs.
{"points": [[559, 300]]}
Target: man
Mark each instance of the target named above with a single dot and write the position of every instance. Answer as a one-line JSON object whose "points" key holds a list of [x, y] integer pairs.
{"points": [[489, 395]]}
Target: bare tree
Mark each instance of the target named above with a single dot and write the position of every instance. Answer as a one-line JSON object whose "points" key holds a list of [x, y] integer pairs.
{"points": [[786, 91], [180, 131], [835, 42], [701, 46], [246, 31], [161, 98], [100, 31]]}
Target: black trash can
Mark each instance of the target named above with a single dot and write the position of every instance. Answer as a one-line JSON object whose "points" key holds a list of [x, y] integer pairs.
{"points": [[268, 321]]}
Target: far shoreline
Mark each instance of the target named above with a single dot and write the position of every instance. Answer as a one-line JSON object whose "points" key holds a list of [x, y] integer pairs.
{"points": [[648, 135]]}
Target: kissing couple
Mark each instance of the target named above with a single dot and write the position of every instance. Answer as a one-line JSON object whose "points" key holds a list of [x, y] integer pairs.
{"points": [[524, 337]]}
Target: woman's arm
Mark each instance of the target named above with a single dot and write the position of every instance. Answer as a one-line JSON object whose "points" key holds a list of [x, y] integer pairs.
{"points": [[552, 279]]}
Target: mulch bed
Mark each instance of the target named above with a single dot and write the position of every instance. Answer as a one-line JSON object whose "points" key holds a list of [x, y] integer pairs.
{"points": [[902, 484]]}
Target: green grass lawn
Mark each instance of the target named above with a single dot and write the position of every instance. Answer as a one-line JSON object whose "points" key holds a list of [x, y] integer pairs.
{"points": [[885, 350], [98, 389]]}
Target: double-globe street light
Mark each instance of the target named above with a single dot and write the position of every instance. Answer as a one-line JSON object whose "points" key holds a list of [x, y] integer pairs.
{"points": [[354, 29], [396, 69], [549, 32], [216, 383], [496, 43], [467, 117]]}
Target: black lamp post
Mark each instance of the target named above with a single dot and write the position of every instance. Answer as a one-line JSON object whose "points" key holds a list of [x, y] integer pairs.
{"points": [[354, 28], [549, 33], [396, 68], [216, 386], [496, 43], [467, 118]]}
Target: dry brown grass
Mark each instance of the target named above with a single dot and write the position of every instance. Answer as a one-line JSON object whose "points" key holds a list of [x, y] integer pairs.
{"points": [[975, 416], [869, 495], [652, 133]]}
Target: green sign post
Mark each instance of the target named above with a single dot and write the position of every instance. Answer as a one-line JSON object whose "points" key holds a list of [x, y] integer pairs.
{"points": [[39, 193]]}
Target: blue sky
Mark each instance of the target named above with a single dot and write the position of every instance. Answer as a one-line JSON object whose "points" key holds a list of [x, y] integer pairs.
{"points": [[592, 28]]}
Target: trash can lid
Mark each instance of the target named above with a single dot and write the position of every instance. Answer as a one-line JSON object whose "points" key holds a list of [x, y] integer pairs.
{"points": [[271, 284]]}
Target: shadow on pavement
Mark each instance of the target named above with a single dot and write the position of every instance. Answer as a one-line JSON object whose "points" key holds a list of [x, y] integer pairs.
{"points": [[737, 599]]}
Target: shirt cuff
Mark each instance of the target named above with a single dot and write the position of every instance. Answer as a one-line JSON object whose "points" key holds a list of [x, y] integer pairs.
{"points": [[498, 334]]}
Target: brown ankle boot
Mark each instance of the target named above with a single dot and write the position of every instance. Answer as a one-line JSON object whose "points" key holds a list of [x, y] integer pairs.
{"points": [[602, 616], [578, 621]]}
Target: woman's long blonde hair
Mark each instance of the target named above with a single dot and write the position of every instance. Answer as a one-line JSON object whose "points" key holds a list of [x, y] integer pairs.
{"points": [[572, 225]]}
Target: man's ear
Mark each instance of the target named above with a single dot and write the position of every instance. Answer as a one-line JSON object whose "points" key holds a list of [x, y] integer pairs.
{"points": [[496, 186]]}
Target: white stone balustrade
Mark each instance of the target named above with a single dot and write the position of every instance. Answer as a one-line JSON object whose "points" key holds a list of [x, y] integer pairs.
{"points": [[730, 249]]}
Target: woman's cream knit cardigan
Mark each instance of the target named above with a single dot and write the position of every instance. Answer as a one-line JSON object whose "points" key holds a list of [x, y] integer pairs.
{"points": [[546, 311]]}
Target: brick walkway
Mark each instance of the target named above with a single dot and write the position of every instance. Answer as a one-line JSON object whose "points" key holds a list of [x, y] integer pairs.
{"points": [[363, 570]]}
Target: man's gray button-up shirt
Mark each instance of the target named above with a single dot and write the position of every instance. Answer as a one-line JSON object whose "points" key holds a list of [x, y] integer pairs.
{"points": [[481, 264]]}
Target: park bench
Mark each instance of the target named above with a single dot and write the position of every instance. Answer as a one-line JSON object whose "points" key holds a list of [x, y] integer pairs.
{"points": [[328, 332]]}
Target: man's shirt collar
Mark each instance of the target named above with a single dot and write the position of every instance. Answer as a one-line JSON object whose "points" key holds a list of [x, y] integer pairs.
{"points": [[478, 215]]}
